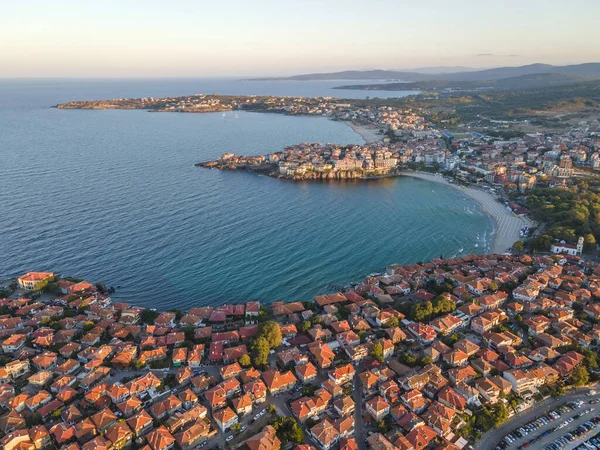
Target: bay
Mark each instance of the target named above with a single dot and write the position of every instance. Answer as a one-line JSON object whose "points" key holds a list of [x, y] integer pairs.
{"points": [[113, 196]]}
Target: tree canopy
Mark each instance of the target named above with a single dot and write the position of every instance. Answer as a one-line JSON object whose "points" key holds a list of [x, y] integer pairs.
{"points": [[260, 352], [271, 332], [377, 351]]}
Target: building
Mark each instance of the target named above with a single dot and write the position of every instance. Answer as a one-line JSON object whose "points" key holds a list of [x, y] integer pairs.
{"points": [[563, 248], [34, 281]]}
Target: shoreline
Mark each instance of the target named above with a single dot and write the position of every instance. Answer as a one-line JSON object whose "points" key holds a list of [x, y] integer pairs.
{"points": [[507, 225], [369, 133]]}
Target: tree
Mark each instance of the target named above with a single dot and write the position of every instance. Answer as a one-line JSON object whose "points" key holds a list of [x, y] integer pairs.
{"points": [[519, 246], [493, 286], [245, 361], [589, 242], [139, 364], [377, 351], [500, 414], [271, 331], [260, 352], [392, 322], [296, 435], [88, 325], [424, 360], [33, 420], [304, 326], [148, 316], [288, 430], [580, 376]]}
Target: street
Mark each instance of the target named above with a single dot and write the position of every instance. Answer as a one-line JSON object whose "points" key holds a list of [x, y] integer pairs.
{"points": [[358, 422]]}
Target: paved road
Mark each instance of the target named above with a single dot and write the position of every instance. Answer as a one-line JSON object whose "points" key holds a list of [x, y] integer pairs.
{"points": [[359, 430], [491, 439]]}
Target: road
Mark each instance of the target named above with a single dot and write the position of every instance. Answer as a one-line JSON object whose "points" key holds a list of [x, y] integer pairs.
{"points": [[359, 430], [491, 439]]}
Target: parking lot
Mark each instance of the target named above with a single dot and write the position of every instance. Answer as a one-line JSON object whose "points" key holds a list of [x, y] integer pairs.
{"points": [[563, 428]]}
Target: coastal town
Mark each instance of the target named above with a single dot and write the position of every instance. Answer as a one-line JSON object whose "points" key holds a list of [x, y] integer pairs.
{"points": [[428, 355]]}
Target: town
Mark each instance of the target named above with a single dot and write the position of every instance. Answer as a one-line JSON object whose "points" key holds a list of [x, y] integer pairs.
{"points": [[427, 355]]}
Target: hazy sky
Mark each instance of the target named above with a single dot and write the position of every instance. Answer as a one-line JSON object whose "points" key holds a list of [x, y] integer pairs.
{"points": [[81, 38]]}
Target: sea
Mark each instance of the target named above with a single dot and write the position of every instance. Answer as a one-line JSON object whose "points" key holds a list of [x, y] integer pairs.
{"points": [[114, 197]]}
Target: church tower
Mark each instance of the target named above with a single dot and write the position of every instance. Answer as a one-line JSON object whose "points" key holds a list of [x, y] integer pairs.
{"points": [[580, 245]]}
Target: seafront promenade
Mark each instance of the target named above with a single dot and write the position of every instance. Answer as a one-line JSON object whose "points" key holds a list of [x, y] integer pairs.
{"points": [[507, 224]]}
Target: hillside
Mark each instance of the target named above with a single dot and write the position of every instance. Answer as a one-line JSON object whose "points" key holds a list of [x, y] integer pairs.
{"points": [[532, 81], [582, 70]]}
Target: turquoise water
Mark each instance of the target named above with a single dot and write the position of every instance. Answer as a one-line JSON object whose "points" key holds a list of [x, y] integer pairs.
{"points": [[114, 196]]}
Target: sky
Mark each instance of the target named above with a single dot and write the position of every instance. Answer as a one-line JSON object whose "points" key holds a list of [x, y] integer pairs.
{"points": [[200, 38]]}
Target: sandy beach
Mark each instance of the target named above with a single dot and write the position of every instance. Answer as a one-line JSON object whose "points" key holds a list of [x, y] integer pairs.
{"points": [[507, 224], [369, 133]]}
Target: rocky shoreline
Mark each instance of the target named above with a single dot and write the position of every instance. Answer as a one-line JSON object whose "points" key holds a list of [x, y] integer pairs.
{"points": [[272, 170]]}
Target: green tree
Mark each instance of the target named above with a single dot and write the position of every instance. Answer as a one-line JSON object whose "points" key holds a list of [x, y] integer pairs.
{"points": [[88, 325], [245, 361], [392, 322], [271, 331], [500, 414], [260, 352], [304, 326], [519, 246], [580, 376], [377, 351], [296, 435], [33, 420], [148, 316], [589, 242], [424, 360], [493, 286]]}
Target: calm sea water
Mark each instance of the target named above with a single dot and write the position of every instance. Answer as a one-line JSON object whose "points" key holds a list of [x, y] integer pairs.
{"points": [[114, 196]]}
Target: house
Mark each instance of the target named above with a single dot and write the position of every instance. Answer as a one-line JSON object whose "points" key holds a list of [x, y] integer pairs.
{"points": [[415, 401], [119, 435], [193, 435], [377, 407], [440, 417], [103, 419], [225, 418], [344, 405], [242, 405], [194, 356], [166, 407], [456, 358], [13, 343], [140, 423], [421, 437], [306, 372], [342, 374], [161, 439], [231, 370], [265, 440], [325, 434], [257, 389], [303, 408], [422, 332], [34, 281], [278, 382], [85, 430]]}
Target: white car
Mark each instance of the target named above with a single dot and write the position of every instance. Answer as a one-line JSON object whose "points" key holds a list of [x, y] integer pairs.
{"points": [[229, 438]]}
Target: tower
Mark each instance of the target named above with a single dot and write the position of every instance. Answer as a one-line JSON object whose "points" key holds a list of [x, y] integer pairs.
{"points": [[580, 245]]}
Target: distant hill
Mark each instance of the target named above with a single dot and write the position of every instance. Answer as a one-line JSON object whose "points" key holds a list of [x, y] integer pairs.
{"points": [[583, 70], [533, 81]]}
